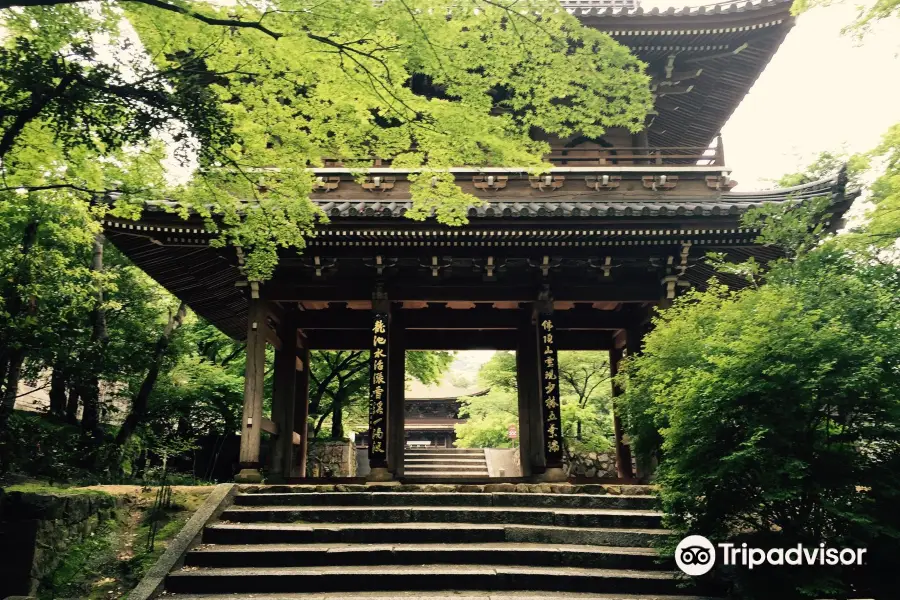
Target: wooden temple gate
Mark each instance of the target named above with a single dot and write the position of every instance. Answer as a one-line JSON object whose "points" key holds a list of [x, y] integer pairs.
{"points": [[573, 259], [535, 330]]}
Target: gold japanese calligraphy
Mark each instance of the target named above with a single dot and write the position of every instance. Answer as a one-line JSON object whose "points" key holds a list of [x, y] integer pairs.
{"points": [[550, 391], [378, 390]]}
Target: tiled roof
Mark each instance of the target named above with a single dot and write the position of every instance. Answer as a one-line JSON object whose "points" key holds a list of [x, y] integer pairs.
{"points": [[589, 7], [725, 203]]}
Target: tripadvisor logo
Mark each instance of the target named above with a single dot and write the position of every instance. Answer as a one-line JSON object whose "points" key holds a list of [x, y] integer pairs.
{"points": [[696, 555]]}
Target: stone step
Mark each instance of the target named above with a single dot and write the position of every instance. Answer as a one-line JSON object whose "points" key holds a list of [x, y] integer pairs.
{"points": [[498, 499], [427, 450], [427, 533], [420, 577], [443, 474], [444, 468], [447, 466], [450, 460], [496, 485], [464, 481], [439, 595], [560, 517], [317, 555]]}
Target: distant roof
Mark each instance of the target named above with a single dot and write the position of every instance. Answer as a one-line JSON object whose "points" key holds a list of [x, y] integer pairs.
{"points": [[610, 8], [445, 390]]}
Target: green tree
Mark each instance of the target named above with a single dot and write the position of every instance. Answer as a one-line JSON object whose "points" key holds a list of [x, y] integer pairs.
{"points": [[585, 394], [777, 410], [339, 386], [257, 95]]}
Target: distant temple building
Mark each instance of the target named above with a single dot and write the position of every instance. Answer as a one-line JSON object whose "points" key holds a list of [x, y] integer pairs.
{"points": [[432, 414]]}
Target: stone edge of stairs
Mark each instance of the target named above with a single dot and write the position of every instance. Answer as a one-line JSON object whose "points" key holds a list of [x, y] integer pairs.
{"points": [[215, 504]]}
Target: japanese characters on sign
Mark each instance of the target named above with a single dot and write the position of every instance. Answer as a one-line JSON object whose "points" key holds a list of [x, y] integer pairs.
{"points": [[378, 390], [553, 442]]}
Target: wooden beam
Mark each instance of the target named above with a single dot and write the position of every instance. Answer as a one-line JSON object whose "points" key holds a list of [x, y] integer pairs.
{"points": [[481, 318], [482, 292], [269, 426], [456, 340]]}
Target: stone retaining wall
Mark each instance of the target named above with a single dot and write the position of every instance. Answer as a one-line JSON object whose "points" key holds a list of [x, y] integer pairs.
{"points": [[592, 465], [36, 529], [331, 459]]}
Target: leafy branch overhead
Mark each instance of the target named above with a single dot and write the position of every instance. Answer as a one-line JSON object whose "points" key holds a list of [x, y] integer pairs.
{"points": [[248, 99]]}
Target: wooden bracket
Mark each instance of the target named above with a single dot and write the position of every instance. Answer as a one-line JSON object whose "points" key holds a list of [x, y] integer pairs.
{"points": [[606, 266], [720, 182], [320, 265], [377, 183], [659, 183], [603, 182], [326, 184], [551, 182], [490, 182]]}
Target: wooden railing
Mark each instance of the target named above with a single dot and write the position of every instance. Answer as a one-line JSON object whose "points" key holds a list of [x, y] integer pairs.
{"points": [[671, 155], [561, 156]]}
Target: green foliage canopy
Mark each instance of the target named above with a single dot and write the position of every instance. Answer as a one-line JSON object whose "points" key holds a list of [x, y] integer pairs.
{"points": [[258, 96], [585, 395]]}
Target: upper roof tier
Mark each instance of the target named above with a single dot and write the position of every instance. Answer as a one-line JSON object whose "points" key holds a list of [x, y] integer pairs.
{"points": [[703, 60]]}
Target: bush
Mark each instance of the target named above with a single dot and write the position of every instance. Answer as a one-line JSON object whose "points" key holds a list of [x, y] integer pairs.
{"points": [[777, 415]]}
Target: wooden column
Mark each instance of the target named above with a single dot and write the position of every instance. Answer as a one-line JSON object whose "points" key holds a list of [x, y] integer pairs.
{"points": [[640, 140], [551, 418], [251, 420], [396, 397], [528, 389], [623, 451], [301, 410], [284, 403], [379, 386]]}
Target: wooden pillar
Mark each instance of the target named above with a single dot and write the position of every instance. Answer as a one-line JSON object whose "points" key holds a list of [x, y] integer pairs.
{"points": [[641, 140], [379, 386], [251, 420], [623, 451], [551, 417], [719, 159], [284, 403], [396, 397], [528, 388], [301, 410]]}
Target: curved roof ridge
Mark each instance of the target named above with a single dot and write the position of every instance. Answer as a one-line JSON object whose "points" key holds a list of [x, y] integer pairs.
{"points": [[588, 7], [828, 182]]}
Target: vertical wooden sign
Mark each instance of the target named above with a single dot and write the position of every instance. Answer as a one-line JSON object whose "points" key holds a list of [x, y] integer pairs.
{"points": [[553, 440], [378, 380]]}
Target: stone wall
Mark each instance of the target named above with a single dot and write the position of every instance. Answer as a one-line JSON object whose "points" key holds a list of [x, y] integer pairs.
{"points": [[36, 529], [331, 459], [592, 465], [503, 462]]}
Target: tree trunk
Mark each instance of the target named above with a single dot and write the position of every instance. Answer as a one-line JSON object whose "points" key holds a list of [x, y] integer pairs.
{"points": [[337, 415], [58, 386], [72, 405], [90, 384], [13, 356], [139, 403], [11, 389], [89, 392], [578, 430]]}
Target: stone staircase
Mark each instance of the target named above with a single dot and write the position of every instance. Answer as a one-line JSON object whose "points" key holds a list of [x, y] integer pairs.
{"points": [[445, 462], [470, 542]]}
